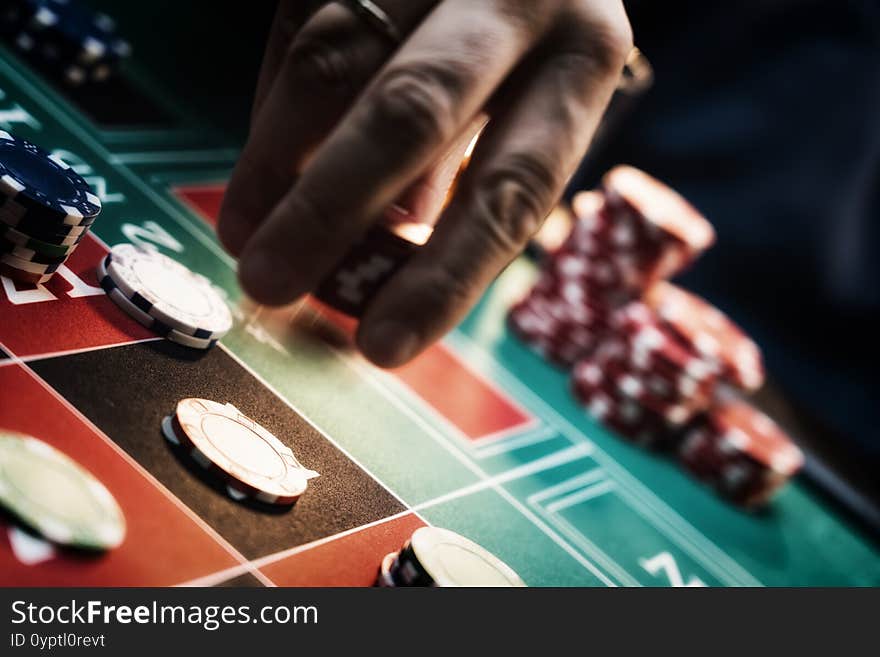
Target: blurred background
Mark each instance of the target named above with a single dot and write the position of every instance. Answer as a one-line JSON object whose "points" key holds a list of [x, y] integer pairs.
{"points": [[766, 115]]}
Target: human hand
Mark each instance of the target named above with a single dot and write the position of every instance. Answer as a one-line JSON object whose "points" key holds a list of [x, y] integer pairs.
{"points": [[346, 122]]}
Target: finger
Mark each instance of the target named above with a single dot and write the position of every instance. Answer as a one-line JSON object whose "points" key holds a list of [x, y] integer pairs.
{"points": [[418, 104], [332, 52], [324, 68], [290, 16], [424, 200], [517, 174]]}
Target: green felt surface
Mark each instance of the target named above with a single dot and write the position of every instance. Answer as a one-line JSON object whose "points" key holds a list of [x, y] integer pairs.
{"points": [[569, 504]]}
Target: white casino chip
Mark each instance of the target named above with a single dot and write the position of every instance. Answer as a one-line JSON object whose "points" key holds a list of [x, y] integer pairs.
{"points": [[169, 291], [243, 450], [145, 319], [453, 560]]}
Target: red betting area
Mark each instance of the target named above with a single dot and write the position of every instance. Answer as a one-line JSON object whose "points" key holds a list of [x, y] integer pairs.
{"points": [[205, 200], [348, 560], [472, 404], [165, 543], [69, 312], [467, 401]]}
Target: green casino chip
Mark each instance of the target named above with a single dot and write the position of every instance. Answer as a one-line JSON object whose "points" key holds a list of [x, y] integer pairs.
{"points": [[16, 237], [54, 495]]}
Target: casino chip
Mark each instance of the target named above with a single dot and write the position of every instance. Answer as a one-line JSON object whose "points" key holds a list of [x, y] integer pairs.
{"points": [[247, 457], [710, 333], [27, 265], [661, 364], [46, 210], [165, 296], [607, 398], [441, 558], [23, 276], [30, 255], [370, 264], [626, 237], [741, 452], [385, 578], [67, 37], [37, 185], [648, 359], [658, 210], [51, 493], [12, 238], [133, 311], [559, 321]]}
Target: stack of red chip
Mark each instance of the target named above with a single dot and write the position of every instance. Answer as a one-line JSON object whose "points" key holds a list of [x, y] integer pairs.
{"points": [[560, 321], [710, 334], [602, 394], [633, 233], [667, 355], [568, 310], [740, 452], [659, 231], [649, 359]]}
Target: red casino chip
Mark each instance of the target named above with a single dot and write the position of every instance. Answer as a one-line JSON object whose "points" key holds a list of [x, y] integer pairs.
{"points": [[649, 346], [561, 320], [627, 243], [614, 252], [604, 278], [741, 452], [603, 400], [658, 377], [606, 256], [710, 333], [561, 332], [654, 392], [657, 208], [648, 359], [384, 249]]}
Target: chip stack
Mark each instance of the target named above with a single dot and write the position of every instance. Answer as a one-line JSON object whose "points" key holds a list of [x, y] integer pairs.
{"points": [[647, 407], [698, 325], [633, 233], [648, 359], [663, 364], [740, 452], [165, 296], [652, 232], [567, 311], [74, 42], [670, 376], [46, 210]]}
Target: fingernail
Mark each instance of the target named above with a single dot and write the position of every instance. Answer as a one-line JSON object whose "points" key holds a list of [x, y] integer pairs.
{"points": [[389, 343], [264, 276]]}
